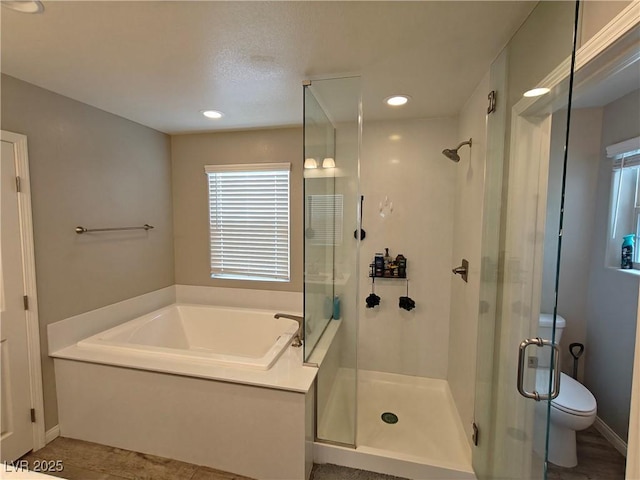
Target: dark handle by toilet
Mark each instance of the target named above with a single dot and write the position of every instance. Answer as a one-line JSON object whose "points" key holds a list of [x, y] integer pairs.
{"points": [[576, 355]]}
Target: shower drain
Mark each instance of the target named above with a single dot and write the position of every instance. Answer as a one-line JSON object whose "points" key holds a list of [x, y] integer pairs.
{"points": [[388, 417]]}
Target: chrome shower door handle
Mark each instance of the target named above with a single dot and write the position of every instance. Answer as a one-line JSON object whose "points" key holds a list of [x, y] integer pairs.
{"points": [[539, 342]]}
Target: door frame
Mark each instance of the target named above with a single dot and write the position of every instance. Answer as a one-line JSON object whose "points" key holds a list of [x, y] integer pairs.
{"points": [[19, 142], [530, 125]]}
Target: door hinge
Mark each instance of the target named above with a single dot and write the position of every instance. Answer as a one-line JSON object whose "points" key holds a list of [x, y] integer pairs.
{"points": [[25, 299], [476, 434], [492, 102], [18, 185], [33, 415]]}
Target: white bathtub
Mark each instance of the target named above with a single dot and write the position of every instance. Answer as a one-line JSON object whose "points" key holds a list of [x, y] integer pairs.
{"points": [[201, 334], [188, 382]]}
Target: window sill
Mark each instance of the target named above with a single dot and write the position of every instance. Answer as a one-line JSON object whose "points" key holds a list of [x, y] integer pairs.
{"points": [[634, 272]]}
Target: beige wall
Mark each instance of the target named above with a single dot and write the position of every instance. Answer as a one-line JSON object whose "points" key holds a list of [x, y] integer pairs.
{"points": [[612, 300], [189, 154], [95, 169], [596, 14], [578, 222]]}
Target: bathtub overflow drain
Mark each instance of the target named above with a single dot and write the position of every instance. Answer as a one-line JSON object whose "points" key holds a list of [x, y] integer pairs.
{"points": [[388, 417]]}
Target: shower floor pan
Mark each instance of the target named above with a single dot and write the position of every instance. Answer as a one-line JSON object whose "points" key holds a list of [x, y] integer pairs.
{"points": [[427, 442]]}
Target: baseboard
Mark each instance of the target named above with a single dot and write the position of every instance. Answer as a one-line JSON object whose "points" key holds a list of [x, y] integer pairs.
{"points": [[611, 436], [52, 434]]}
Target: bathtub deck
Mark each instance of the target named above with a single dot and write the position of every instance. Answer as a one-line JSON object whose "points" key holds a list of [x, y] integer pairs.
{"points": [[288, 373]]}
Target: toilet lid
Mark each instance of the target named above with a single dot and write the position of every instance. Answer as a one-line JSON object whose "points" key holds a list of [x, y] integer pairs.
{"points": [[574, 398]]}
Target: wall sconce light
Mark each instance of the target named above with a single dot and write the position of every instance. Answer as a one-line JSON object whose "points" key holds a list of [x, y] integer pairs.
{"points": [[328, 162], [310, 163]]}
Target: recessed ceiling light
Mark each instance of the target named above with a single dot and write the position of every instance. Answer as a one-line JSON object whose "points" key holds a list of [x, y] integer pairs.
{"points": [[536, 92], [24, 6], [212, 113], [397, 100]]}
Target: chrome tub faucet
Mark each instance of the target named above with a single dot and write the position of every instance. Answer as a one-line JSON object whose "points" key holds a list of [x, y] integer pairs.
{"points": [[299, 337]]}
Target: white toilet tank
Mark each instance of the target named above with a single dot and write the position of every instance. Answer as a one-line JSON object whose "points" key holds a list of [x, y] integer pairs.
{"points": [[545, 330], [545, 326]]}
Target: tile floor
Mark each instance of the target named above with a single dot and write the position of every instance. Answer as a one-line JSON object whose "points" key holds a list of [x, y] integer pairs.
{"points": [[334, 472], [91, 461], [597, 460]]}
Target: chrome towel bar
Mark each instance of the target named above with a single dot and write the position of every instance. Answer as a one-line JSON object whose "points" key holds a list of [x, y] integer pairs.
{"points": [[80, 230]]}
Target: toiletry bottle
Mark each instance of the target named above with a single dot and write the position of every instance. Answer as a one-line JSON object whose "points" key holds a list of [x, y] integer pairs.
{"points": [[336, 307], [401, 261], [379, 262], [387, 263], [626, 261]]}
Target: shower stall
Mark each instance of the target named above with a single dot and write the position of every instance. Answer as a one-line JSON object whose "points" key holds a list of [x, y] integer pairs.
{"points": [[429, 390], [382, 383]]}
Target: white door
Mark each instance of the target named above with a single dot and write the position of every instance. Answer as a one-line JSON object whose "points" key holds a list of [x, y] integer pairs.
{"points": [[16, 433]]}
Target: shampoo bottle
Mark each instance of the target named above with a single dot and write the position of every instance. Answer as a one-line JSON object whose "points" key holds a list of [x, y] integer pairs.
{"points": [[336, 307], [626, 261]]}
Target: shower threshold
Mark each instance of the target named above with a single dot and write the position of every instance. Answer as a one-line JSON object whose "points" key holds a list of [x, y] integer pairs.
{"points": [[426, 442]]}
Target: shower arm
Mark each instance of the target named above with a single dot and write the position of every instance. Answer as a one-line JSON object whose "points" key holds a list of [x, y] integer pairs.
{"points": [[468, 142]]}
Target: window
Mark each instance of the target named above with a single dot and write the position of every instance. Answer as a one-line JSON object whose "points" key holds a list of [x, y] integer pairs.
{"points": [[249, 221], [625, 197]]}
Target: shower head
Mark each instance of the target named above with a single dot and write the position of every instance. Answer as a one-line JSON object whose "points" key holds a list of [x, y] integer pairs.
{"points": [[452, 153]]}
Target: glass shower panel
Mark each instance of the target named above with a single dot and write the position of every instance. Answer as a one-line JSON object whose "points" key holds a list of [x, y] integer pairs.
{"points": [[512, 429], [332, 201], [319, 223]]}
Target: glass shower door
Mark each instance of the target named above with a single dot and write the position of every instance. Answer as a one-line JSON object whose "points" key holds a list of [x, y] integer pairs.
{"points": [[511, 434]]}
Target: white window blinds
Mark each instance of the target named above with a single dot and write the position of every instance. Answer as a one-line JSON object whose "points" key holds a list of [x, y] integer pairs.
{"points": [[625, 154], [249, 221]]}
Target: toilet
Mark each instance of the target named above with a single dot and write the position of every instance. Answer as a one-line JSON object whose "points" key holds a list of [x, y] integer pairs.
{"points": [[572, 410]]}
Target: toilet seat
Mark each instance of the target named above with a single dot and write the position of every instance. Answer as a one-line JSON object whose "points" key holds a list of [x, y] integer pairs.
{"points": [[574, 398]]}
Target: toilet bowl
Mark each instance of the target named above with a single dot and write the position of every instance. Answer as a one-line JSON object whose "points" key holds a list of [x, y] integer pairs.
{"points": [[572, 410]]}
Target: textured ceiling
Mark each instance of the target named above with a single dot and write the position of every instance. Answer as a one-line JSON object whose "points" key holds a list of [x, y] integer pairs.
{"points": [[159, 63]]}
